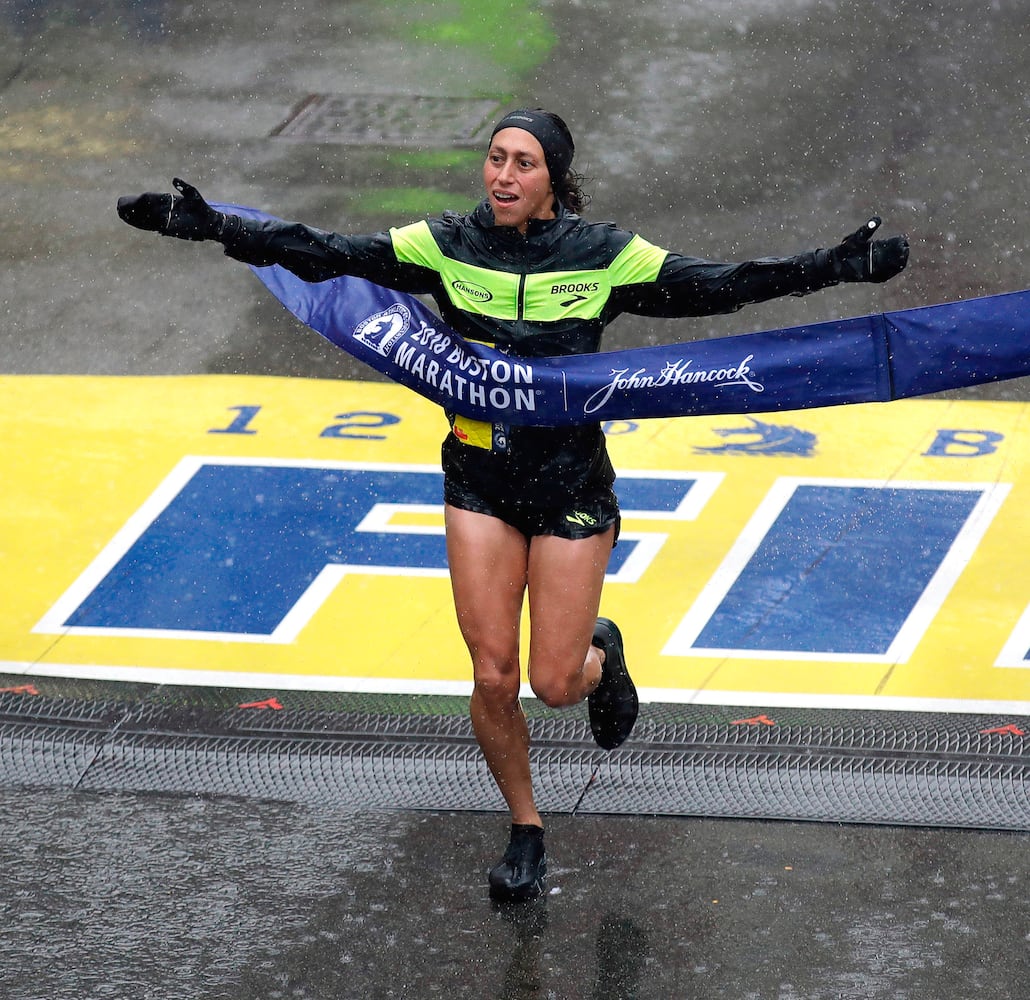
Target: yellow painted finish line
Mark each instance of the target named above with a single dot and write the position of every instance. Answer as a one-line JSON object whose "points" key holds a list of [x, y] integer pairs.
{"points": [[287, 533]]}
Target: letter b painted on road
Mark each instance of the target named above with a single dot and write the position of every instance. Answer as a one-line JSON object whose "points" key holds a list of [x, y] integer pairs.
{"points": [[964, 444]]}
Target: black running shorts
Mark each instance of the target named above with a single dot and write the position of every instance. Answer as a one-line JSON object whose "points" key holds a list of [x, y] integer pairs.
{"points": [[580, 517], [545, 481]]}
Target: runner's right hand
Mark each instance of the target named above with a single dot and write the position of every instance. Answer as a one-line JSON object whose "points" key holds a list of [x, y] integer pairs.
{"points": [[185, 216]]}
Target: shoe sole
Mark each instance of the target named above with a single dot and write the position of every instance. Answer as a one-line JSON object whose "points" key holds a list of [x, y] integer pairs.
{"points": [[615, 639]]}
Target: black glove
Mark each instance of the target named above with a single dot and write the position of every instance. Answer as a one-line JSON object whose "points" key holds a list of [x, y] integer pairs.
{"points": [[187, 218], [861, 258]]}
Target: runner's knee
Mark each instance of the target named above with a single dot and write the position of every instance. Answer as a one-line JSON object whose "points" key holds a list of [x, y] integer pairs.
{"points": [[497, 682], [556, 690]]}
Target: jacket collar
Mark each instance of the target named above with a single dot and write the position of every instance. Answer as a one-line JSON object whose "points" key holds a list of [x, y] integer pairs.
{"points": [[538, 230]]}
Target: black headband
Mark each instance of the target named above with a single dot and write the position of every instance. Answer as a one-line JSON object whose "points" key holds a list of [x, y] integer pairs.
{"points": [[556, 141]]}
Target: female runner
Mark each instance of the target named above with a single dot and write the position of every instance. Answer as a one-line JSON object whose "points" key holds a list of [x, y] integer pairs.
{"points": [[528, 510]]}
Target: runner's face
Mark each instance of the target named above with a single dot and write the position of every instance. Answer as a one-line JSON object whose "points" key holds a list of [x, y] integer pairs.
{"points": [[518, 185]]}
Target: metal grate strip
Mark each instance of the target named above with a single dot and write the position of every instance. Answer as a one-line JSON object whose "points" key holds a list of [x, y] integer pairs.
{"points": [[398, 752], [388, 120]]}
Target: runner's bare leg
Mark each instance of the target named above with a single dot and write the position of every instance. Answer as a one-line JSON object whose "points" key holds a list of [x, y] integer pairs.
{"points": [[491, 566], [489, 571]]}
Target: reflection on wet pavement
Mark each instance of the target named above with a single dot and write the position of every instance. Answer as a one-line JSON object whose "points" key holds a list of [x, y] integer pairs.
{"points": [[159, 896]]}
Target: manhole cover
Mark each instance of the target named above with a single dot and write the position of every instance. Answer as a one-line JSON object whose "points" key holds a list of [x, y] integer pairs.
{"points": [[388, 120]]}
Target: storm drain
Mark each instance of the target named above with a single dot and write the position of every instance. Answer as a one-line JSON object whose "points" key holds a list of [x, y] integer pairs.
{"points": [[388, 120], [399, 752]]}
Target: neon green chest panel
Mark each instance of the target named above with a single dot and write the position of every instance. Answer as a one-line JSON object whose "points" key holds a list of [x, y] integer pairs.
{"points": [[546, 297]]}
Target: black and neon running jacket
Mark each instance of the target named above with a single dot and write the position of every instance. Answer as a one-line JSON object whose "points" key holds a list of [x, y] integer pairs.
{"points": [[549, 292]]}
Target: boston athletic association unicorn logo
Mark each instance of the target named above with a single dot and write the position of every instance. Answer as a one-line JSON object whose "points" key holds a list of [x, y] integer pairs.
{"points": [[764, 439]]}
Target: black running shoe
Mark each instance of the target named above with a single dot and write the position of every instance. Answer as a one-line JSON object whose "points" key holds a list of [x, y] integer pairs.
{"points": [[613, 704], [520, 873]]}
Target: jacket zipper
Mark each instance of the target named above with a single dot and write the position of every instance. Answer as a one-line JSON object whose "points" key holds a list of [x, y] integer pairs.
{"points": [[520, 318]]}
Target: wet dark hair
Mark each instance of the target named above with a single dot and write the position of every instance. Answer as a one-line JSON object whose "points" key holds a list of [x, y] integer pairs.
{"points": [[569, 192]]}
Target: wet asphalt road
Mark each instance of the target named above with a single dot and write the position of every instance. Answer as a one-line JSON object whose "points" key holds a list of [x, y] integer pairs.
{"points": [[724, 129], [163, 897]]}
